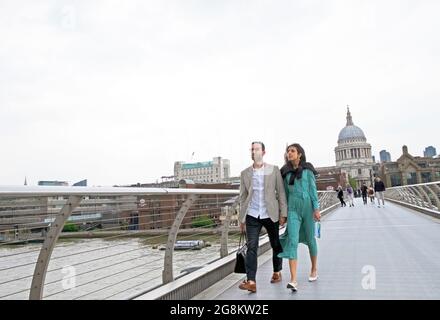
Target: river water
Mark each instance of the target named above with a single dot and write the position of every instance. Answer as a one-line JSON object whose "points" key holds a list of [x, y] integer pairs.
{"points": [[94, 268]]}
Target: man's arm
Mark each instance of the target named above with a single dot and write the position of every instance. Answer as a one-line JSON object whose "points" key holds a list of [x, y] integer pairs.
{"points": [[243, 197], [279, 187]]}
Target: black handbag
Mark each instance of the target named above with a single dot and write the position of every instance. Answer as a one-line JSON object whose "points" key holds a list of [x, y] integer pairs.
{"points": [[240, 260]]}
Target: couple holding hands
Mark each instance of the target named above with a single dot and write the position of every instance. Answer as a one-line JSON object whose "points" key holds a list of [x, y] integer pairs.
{"points": [[270, 197]]}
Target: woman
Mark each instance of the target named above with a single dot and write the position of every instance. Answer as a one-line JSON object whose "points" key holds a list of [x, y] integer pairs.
{"points": [[350, 195], [303, 209], [371, 195], [341, 196]]}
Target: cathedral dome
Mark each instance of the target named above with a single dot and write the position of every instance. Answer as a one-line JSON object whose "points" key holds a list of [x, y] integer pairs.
{"points": [[350, 131]]}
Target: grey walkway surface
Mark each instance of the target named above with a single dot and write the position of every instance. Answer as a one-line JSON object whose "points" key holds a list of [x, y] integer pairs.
{"points": [[397, 246]]}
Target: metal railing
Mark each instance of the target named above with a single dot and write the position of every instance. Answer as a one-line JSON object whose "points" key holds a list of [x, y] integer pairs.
{"points": [[111, 243], [425, 196]]}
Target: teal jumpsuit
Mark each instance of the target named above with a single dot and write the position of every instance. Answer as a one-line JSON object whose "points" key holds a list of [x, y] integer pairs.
{"points": [[302, 201]]}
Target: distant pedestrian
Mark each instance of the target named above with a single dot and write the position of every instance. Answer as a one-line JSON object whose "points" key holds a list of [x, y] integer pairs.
{"points": [[364, 190], [371, 195], [341, 196], [350, 195], [379, 188]]}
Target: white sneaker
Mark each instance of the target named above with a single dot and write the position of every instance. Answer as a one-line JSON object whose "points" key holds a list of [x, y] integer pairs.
{"points": [[293, 286], [312, 279]]}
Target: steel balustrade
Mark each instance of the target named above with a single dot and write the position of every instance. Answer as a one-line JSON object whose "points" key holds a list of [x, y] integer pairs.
{"points": [[169, 213]]}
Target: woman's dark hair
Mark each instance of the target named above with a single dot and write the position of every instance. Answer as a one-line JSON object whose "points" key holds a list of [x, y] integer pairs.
{"points": [[303, 164], [300, 150]]}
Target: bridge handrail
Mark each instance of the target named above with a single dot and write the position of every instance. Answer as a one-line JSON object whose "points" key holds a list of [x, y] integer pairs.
{"points": [[32, 203], [422, 195]]}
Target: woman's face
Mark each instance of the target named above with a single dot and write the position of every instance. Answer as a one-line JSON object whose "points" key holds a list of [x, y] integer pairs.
{"points": [[292, 154]]}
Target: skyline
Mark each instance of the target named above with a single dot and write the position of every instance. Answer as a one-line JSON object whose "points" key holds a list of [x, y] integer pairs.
{"points": [[159, 178], [117, 92]]}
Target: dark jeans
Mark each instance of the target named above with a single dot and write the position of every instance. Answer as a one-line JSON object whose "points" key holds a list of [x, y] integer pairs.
{"points": [[253, 228], [342, 202], [364, 197]]}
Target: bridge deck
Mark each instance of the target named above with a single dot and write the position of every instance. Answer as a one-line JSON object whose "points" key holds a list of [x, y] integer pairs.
{"points": [[403, 247]]}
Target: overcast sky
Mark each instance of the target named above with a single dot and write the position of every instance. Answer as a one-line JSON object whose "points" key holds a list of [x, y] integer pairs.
{"points": [[116, 91]]}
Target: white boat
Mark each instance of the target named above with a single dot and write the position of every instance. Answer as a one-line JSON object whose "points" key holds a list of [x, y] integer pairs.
{"points": [[188, 245]]}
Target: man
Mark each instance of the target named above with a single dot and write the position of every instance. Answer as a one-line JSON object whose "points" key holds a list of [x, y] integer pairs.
{"points": [[262, 202], [364, 190], [379, 189]]}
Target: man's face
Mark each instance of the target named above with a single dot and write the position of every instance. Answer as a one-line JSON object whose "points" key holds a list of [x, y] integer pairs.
{"points": [[257, 152]]}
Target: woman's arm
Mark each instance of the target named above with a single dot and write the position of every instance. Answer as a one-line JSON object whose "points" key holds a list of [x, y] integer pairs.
{"points": [[312, 190]]}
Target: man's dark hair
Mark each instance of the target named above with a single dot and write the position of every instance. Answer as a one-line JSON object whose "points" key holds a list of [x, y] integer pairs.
{"points": [[261, 143]]}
